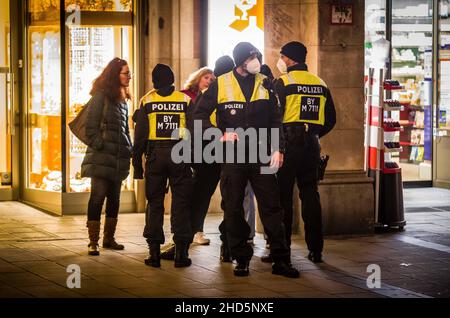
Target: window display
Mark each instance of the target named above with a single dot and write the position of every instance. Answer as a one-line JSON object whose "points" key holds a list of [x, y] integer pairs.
{"points": [[235, 21], [91, 48], [411, 66], [44, 102], [444, 71]]}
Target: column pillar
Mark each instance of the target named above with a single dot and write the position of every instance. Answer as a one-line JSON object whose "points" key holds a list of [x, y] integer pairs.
{"points": [[336, 54]]}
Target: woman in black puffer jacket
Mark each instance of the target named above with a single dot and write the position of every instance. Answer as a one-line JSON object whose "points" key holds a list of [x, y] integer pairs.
{"points": [[107, 159]]}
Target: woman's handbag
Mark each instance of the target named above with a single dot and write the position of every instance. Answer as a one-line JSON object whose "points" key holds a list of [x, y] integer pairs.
{"points": [[78, 125]]}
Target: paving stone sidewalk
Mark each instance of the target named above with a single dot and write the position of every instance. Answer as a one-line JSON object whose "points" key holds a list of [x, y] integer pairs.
{"points": [[36, 248]]}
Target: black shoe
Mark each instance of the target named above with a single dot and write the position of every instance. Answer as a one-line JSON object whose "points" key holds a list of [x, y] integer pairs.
{"points": [[225, 256], [266, 259], [241, 269], [181, 255], [168, 253], [315, 257], [285, 269], [154, 259]]}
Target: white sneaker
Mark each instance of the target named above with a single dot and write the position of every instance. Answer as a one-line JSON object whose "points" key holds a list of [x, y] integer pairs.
{"points": [[200, 239]]}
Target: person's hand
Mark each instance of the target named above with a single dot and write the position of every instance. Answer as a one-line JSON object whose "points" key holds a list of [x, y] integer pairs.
{"points": [[268, 84], [277, 160], [229, 136]]}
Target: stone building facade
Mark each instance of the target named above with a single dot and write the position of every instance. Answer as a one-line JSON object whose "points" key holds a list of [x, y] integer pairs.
{"points": [[335, 53]]}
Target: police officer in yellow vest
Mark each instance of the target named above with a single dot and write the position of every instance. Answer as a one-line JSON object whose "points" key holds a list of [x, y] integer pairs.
{"points": [[242, 101], [161, 112], [308, 114], [206, 175]]}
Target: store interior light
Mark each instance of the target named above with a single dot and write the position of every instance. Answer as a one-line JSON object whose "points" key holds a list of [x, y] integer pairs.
{"points": [[380, 53]]}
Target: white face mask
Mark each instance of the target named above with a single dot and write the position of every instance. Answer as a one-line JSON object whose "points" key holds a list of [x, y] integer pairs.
{"points": [[281, 65], [253, 67]]}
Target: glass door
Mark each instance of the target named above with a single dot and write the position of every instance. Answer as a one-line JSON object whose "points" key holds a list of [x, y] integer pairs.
{"points": [[7, 125], [91, 45], [412, 68]]}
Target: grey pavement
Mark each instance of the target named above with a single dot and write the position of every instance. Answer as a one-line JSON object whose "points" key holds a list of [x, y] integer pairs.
{"points": [[36, 249]]}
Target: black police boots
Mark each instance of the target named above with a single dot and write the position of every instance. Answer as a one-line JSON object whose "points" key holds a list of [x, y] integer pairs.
{"points": [[225, 255], [181, 255], [241, 268], [283, 267], [315, 257], [154, 258], [168, 253]]}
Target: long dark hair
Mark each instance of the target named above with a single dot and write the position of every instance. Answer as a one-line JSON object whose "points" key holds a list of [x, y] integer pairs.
{"points": [[109, 81]]}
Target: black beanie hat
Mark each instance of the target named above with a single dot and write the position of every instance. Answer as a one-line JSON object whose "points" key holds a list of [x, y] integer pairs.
{"points": [[162, 76], [296, 51], [242, 51], [224, 64]]}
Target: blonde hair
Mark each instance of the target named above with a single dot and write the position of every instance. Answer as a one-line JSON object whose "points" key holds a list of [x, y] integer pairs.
{"points": [[194, 79]]}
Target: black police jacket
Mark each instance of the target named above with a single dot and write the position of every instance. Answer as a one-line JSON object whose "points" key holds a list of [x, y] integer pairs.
{"points": [[330, 111]]}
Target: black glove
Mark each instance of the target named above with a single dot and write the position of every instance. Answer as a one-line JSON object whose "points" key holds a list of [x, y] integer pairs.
{"points": [[268, 84]]}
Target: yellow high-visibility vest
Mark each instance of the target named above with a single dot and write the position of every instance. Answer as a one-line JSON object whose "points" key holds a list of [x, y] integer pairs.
{"points": [[230, 91], [305, 98], [213, 118], [165, 114]]}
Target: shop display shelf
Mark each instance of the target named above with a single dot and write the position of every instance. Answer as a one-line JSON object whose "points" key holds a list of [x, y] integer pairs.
{"points": [[393, 88], [407, 123], [392, 109], [391, 170], [393, 150], [392, 129], [409, 144]]}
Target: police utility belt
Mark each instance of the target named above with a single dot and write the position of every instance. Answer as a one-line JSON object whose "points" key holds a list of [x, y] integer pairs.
{"points": [[160, 144], [298, 130]]}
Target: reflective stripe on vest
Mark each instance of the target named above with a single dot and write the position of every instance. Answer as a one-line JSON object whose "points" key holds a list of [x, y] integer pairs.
{"points": [[305, 98], [165, 114], [230, 91]]}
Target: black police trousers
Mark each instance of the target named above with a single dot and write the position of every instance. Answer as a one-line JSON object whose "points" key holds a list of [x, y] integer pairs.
{"points": [[160, 168], [206, 178], [301, 163], [235, 229]]}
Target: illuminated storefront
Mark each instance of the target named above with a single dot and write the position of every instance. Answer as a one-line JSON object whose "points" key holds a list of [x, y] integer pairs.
{"points": [[419, 34], [66, 46]]}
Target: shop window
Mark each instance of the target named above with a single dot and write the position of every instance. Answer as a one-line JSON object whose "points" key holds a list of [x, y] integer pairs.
{"points": [[44, 97], [412, 67], [375, 34], [91, 48], [90, 45], [230, 22]]}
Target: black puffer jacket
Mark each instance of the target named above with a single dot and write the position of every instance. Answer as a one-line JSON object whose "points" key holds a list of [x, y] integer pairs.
{"points": [[108, 156]]}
